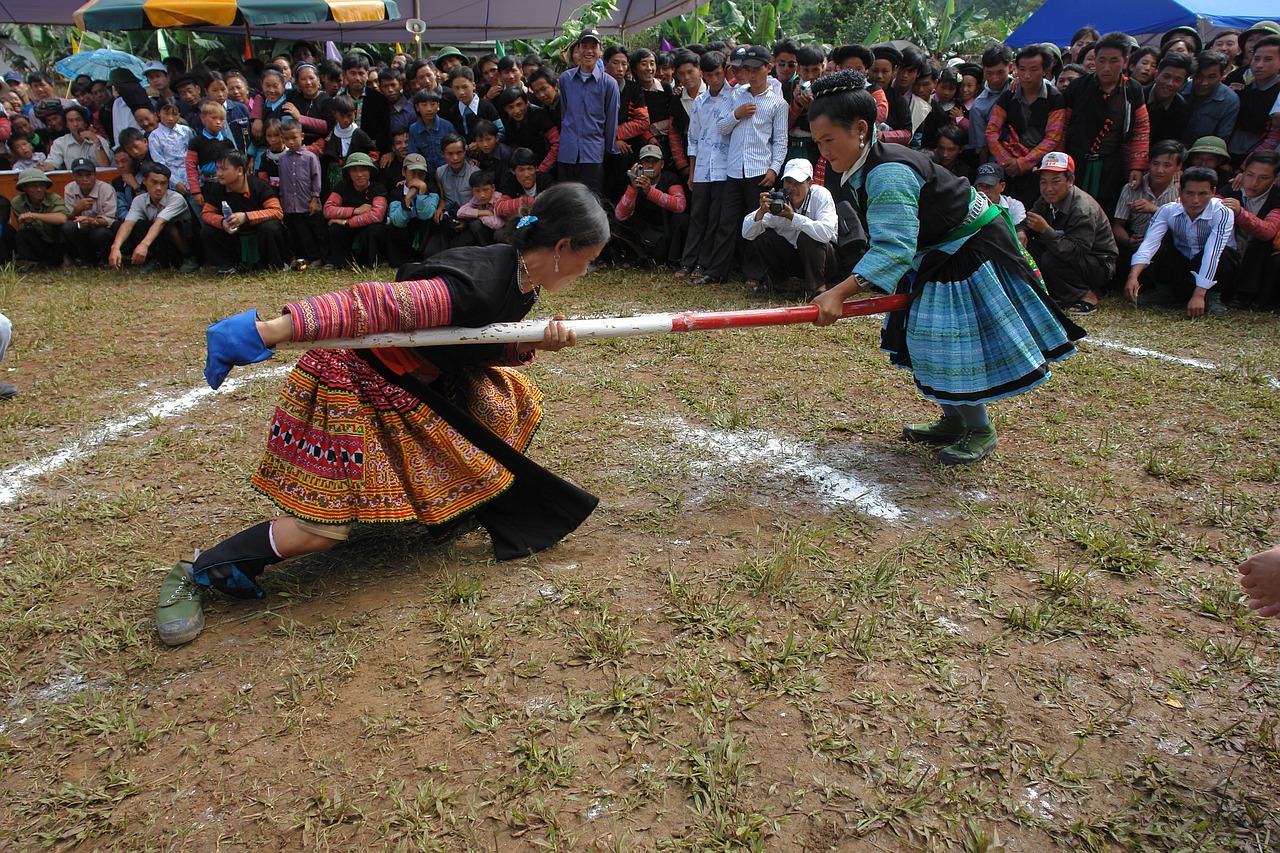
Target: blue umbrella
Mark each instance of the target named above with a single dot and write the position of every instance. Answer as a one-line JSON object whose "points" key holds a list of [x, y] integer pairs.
{"points": [[98, 64]]}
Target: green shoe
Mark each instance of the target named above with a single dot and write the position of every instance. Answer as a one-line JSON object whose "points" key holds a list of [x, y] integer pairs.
{"points": [[180, 612], [944, 430], [972, 446], [1213, 305]]}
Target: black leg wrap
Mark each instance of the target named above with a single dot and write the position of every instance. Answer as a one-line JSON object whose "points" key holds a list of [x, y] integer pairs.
{"points": [[232, 565]]}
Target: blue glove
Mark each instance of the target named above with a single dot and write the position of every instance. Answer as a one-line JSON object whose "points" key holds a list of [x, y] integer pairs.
{"points": [[233, 342]]}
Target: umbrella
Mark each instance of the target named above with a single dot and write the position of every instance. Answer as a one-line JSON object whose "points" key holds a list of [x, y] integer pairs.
{"points": [[107, 15], [98, 64]]}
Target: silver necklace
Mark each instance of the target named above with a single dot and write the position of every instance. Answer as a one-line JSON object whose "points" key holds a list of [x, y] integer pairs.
{"points": [[523, 277]]}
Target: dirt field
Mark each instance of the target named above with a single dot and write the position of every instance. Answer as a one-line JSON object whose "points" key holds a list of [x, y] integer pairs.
{"points": [[783, 629]]}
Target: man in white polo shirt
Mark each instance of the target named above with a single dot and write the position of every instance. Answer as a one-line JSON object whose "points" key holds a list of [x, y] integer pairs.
{"points": [[795, 231]]}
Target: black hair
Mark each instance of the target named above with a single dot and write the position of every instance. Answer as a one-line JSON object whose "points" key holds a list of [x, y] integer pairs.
{"points": [[949, 75], [507, 63], [131, 134], [843, 98], [845, 52], [1207, 58], [665, 59], [169, 103], [638, 55], [84, 113], [810, 54], [289, 124], [683, 56], [1116, 41], [483, 178], [38, 77], [422, 96], [233, 158], [997, 54], [1085, 32], [544, 73], [342, 105], [187, 80], [461, 71], [151, 167], [720, 46], [782, 46], [888, 52], [272, 72], [1200, 175], [1265, 41], [449, 139], [1136, 56], [355, 60], [1073, 68], [1168, 146], [928, 71], [523, 157], [509, 96], [532, 60], [80, 87], [711, 60], [390, 74], [912, 60], [954, 133], [1033, 50], [488, 57], [417, 65], [565, 211], [611, 51], [1265, 157], [484, 127]]}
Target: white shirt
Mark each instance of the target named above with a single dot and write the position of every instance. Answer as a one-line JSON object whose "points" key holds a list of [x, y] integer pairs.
{"points": [[707, 144], [1017, 210], [1212, 231], [757, 143], [816, 218]]}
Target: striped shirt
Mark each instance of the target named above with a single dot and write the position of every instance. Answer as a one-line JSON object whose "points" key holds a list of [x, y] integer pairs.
{"points": [[1211, 232], [757, 143], [707, 144]]}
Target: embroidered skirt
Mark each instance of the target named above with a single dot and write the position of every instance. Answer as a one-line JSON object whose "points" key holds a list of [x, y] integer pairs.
{"points": [[978, 329], [345, 445]]}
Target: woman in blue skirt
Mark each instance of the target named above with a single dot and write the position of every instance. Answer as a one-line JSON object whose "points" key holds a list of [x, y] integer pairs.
{"points": [[980, 326]]}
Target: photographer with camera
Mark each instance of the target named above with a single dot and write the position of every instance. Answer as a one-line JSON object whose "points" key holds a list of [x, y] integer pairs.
{"points": [[650, 219], [795, 227]]}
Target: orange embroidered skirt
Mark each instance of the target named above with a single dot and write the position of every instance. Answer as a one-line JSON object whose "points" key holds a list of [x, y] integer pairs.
{"points": [[346, 445]]}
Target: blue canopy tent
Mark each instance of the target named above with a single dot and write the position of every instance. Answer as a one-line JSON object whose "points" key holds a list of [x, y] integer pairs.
{"points": [[1057, 20]]}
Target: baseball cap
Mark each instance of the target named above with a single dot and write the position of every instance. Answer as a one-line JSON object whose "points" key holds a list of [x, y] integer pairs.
{"points": [[83, 164], [155, 66], [32, 176], [1056, 161], [752, 55], [1209, 145], [416, 163], [12, 77], [650, 151], [798, 170], [989, 174], [590, 33]]}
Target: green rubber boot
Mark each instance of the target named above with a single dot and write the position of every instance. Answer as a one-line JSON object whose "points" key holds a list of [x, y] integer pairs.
{"points": [[944, 430], [180, 611], [974, 445]]}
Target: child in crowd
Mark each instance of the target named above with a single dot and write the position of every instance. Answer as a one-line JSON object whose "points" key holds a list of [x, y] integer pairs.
{"points": [[479, 215], [300, 188], [25, 156], [205, 147], [454, 178], [487, 152], [268, 167], [347, 139], [410, 218], [169, 142], [426, 134], [521, 185], [469, 108]]}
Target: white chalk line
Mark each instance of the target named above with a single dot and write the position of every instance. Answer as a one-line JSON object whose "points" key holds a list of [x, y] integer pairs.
{"points": [[18, 479], [1143, 352]]}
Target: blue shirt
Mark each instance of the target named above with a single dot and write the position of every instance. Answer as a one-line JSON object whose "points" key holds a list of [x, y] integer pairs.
{"points": [[1213, 116], [979, 115], [588, 115], [426, 140]]}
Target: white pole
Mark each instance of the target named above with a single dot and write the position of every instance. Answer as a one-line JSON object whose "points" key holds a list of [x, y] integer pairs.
{"points": [[528, 331]]}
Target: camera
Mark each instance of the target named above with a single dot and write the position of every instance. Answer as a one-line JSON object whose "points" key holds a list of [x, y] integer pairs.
{"points": [[639, 171], [777, 198], [806, 88]]}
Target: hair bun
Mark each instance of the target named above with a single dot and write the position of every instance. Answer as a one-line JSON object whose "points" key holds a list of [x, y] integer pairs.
{"points": [[839, 81]]}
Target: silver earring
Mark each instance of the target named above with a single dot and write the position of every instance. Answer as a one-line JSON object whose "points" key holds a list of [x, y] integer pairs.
{"points": [[557, 258]]}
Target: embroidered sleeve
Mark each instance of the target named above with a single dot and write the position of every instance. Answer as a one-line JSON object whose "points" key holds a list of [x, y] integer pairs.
{"points": [[893, 224], [372, 307]]}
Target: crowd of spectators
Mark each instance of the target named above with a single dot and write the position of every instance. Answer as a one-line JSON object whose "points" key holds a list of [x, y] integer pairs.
{"points": [[1148, 171]]}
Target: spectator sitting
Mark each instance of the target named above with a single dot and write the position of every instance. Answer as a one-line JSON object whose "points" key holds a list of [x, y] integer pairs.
{"points": [[990, 182], [650, 216], [1210, 152], [1256, 207], [300, 188], [487, 152], [91, 206], [521, 185], [48, 118], [951, 141], [252, 215], [79, 143], [1189, 250], [798, 233], [347, 139], [1136, 206], [355, 210], [134, 142], [157, 227], [205, 148], [169, 143], [426, 134], [127, 183], [411, 217], [479, 215], [454, 178], [1070, 237], [40, 214], [24, 154]]}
